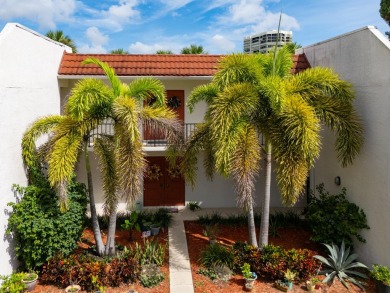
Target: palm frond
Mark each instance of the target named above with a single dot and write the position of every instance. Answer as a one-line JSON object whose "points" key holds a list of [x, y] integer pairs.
{"points": [[104, 148], [39, 127], [110, 72], [205, 92], [245, 164], [143, 89], [194, 145], [131, 164], [127, 112], [164, 121], [89, 97], [236, 68]]}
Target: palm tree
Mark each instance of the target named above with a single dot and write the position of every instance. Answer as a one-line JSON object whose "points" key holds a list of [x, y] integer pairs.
{"points": [[120, 155], [193, 49], [164, 52], [256, 94], [60, 37], [119, 51]]}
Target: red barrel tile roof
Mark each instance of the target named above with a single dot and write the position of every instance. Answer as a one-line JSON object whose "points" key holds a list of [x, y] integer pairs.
{"points": [[153, 65]]}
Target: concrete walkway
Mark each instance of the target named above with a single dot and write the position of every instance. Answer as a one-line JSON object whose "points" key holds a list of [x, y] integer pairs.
{"points": [[180, 276]]}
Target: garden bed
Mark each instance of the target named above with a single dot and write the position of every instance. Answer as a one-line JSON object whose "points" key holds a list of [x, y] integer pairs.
{"points": [[288, 238], [122, 238]]}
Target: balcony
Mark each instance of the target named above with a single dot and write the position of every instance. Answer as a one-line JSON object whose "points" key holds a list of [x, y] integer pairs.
{"points": [[151, 136]]}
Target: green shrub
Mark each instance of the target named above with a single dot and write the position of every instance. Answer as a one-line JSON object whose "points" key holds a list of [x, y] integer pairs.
{"points": [[216, 255], [151, 252], [151, 275], [272, 261], [82, 269], [12, 283], [381, 273], [38, 226], [332, 218]]}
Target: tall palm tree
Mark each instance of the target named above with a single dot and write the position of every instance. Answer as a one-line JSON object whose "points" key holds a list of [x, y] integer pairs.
{"points": [[193, 49], [256, 94], [121, 158], [60, 37]]}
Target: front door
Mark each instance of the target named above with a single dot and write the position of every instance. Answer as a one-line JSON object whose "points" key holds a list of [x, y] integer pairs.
{"points": [[163, 186]]}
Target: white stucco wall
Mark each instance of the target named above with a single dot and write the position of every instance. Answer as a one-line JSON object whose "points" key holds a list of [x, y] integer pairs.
{"points": [[28, 89], [363, 58]]}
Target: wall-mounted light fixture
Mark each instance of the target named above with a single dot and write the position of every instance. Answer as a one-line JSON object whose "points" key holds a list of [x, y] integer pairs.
{"points": [[337, 180]]}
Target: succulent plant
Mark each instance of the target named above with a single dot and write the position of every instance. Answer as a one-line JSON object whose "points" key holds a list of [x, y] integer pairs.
{"points": [[341, 264]]}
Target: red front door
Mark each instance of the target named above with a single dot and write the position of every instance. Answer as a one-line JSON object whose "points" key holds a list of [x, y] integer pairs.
{"points": [[163, 186]]}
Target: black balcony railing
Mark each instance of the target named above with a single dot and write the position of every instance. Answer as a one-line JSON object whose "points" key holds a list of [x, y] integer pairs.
{"points": [[151, 136]]}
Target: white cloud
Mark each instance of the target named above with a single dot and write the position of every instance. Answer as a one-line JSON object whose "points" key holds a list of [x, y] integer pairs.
{"points": [[45, 12], [246, 11], [97, 41], [141, 48], [270, 21], [175, 4], [116, 16], [220, 43]]}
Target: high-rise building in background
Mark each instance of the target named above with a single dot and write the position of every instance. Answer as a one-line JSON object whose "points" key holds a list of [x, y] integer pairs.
{"points": [[266, 41]]}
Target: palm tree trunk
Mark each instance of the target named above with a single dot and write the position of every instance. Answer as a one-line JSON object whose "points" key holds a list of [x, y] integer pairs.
{"points": [[95, 224], [110, 244], [264, 227], [251, 225]]}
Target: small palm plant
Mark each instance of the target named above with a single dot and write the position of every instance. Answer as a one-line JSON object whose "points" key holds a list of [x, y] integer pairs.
{"points": [[341, 264]]}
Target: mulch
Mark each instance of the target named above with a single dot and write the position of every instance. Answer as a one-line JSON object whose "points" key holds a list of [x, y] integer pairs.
{"points": [[228, 235]]}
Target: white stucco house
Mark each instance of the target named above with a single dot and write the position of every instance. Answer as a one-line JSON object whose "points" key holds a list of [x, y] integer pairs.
{"points": [[37, 75]]}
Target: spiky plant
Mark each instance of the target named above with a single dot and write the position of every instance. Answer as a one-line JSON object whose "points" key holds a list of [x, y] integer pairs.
{"points": [[341, 264]]}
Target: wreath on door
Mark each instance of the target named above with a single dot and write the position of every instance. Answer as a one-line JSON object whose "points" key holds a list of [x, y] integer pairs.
{"points": [[174, 172], [154, 172], [174, 102]]}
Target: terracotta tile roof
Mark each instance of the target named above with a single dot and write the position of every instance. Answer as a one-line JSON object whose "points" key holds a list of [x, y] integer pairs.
{"points": [[300, 63], [153, 65]]}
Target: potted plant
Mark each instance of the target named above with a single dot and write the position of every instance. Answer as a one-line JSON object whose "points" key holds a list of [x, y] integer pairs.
{"points": [[145, 228], [312, 284], [382, 276], [72, 288], [211, 232], [193, 205], [155, 229], [289, 276], [250, 277], [30, 280], [281, 285]]}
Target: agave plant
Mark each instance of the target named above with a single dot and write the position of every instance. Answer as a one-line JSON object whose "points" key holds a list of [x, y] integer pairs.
{"points": [[341, 264]]}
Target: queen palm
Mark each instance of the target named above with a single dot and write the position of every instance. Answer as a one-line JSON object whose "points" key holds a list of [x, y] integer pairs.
{"points": [[120, 154], [60, 37], [252, 95]]}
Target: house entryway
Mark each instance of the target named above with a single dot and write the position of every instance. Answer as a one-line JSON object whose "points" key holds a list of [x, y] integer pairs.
{"points": [[163, 185]]}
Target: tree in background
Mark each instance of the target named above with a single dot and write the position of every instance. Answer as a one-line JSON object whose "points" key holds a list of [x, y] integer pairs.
{"points": [[193, 49], [119, 51], [292, 47], [164, 52], [385, 13], [60, 37]]}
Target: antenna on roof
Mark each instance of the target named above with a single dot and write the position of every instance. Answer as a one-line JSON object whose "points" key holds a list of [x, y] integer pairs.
{"points": [[277, 42]]}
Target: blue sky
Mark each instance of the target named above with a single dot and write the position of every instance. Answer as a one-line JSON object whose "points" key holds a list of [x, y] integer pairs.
{"points": [[145, 26]]}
